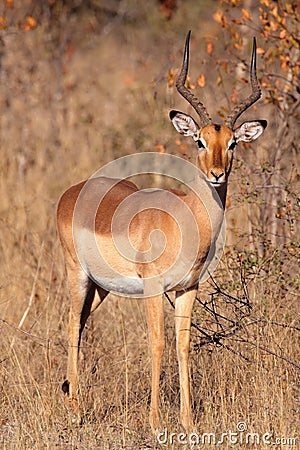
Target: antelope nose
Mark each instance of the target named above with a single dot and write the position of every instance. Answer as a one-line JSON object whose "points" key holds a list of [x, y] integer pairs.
{"points": [[217, 176]]}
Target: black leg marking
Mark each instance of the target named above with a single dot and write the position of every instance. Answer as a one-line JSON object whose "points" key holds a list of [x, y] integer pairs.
{"points": [[65, 387]]}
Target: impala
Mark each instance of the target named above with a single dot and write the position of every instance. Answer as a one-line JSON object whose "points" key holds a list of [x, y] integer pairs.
{"points": [[91, 274]]}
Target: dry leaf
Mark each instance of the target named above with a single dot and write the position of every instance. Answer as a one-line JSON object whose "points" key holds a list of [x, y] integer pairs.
{"points": [[2, 23], [160, 148], [171, 78], [210, 48], [30, 23], [246, 15], [260, 51], [217, 16], [201, 80]]}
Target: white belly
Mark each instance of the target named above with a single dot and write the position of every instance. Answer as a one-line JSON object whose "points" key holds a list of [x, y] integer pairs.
{"points": [[132, 286], [122, 285]]}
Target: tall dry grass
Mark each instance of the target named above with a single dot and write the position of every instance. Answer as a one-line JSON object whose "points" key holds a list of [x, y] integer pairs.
{"points": [[76, 95]]}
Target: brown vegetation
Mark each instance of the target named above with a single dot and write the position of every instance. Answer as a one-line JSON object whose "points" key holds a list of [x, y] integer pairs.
{"points": [[80, 86]]}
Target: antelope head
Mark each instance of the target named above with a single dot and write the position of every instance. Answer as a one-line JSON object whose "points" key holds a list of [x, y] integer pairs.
{"points": [[216, 142]]}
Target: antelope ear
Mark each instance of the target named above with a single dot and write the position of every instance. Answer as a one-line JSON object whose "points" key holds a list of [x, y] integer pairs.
{"points": [[185, 124], [249, 131]]}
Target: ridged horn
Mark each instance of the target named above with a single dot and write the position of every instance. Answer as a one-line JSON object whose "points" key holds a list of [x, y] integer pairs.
{"points": [[185, 92], [253, 97]]}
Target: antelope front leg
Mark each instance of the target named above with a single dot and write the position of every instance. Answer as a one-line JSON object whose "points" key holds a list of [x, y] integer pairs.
{"points": [[183, 312], [155, 317]]}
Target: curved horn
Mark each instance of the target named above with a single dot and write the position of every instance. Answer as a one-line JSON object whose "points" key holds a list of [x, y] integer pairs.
{"points": [[186, 93], [253, 97]]}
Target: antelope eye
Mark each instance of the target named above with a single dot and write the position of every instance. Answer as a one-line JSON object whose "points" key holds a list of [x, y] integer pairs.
{"points": [[232, 145]]}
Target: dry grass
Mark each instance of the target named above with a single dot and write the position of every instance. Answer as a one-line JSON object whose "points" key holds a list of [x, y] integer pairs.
{"points": [[63, 114]]}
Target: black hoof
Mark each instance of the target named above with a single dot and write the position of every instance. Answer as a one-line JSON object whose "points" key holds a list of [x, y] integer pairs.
{"points": [[65, 387]]}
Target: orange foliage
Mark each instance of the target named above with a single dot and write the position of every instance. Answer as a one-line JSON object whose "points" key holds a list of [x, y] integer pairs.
{"points": [[246, 15], [183, 148], [160, 148], [171, 77], [30, 23], [210, 48], [201, 80], [2, 23]]}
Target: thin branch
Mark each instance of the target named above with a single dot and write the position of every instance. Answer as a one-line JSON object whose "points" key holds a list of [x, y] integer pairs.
{"points": [[271, 352], [26, 312], [218, 338]]}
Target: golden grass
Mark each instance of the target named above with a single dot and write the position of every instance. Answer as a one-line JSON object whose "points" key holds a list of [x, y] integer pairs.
{"points": [[58, 125]]}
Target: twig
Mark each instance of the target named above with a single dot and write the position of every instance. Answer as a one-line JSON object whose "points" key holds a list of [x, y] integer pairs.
{"points": [[25, 314], [271, 352], [218, 337]]}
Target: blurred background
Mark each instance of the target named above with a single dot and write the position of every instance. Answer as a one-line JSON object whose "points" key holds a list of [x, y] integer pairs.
{"points": [[84, 82]]}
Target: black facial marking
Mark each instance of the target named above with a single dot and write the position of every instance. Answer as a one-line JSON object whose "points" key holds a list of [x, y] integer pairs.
{"points": [[217, 127]]}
